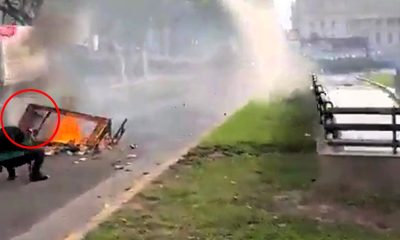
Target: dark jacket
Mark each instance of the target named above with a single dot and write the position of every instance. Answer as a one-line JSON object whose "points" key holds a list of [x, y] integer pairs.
{"points": [[16, 134]]}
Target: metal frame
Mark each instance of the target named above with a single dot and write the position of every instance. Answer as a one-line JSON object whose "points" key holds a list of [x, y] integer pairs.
{"points": [[103, 125], [327, 112]]}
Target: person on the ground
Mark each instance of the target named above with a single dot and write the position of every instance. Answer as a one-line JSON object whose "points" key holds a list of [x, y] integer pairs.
{"points": [[34, 158]]}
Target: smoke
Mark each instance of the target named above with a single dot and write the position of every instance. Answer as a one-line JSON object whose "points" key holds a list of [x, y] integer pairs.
{"points": [[274, 68], [260, 64]]}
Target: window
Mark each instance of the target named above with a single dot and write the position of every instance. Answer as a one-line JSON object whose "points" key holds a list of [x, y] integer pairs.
{"points": [[390, 38], [333, 24], [378, 38]]}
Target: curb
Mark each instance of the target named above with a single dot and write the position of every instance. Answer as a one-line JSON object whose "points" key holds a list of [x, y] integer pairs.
{"points": [[384, 88]]}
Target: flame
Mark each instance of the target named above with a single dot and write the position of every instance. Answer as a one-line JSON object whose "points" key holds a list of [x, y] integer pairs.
{"points": [[69, 131]]}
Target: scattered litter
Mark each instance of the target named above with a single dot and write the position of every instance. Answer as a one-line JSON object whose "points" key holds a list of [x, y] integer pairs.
{"points": [[81, 153], [49, 152], [133, 146], [69, 153], [282, 225], [128, 163], [146, 173], [127, 189], [109, 147], [118, 167], [131, 156], [233, 182], [82, 159], [225, 114], [76, 162], [275, 217], [307, 135], [128, 170]]}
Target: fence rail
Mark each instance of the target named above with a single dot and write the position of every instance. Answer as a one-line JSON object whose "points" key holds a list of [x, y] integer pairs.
{"points": [[328, 112]]}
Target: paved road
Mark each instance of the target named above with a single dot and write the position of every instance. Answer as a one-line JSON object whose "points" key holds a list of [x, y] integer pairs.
{"points": [[348, 91], [159, 123]]}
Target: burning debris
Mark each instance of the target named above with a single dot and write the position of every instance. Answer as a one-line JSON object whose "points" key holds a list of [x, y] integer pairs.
{"points": [[78, 134]]}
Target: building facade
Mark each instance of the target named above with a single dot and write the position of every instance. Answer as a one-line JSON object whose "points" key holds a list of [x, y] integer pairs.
{"points": [[376, 21]]}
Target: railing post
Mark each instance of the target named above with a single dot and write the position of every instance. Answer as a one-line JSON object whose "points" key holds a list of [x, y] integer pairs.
{"points": [[395, 142]]}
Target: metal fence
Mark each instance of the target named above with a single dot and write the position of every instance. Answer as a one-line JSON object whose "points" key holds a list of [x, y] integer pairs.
{"points": [[328, 112]]}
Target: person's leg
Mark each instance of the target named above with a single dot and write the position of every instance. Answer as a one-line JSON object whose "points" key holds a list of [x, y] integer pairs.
{"points": [[11, 174], [11, 164], [37, 158], [33, 157]]}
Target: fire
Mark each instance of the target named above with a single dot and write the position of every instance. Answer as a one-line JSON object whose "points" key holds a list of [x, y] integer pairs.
{"points": [[69, 131]]}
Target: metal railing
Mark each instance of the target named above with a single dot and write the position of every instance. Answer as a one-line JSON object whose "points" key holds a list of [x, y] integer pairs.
{"points": [[327, 112]]}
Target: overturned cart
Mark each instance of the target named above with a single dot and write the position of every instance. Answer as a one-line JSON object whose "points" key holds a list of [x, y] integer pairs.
{"points": [[76, 132], [384, 130]]}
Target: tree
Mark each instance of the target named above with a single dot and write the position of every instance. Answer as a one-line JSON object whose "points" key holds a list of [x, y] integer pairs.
{"points": [[20, 11]]}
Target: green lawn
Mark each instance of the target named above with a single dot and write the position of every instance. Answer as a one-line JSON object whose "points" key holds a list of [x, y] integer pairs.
{"points": [[385, 79], [226, 188]]}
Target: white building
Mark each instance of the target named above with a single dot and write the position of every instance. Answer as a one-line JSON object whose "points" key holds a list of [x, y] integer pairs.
{"points": [[377, 21]]}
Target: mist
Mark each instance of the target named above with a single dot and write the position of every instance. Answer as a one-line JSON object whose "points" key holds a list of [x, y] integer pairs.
{"points": [[215, 63]]}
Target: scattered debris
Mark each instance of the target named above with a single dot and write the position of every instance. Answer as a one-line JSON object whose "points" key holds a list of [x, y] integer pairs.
{"points": [[131, 156], [69, 153], [145, 173], [49, 152], [118, 167], [127, 189], [307, 135], [281, 225], [81, 153], [76, 162], [216, 155], [82, 159], [133, 146]]}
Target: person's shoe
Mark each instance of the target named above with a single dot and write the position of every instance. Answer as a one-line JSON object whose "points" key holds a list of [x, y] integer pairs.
{"points": [[38, 177]]}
